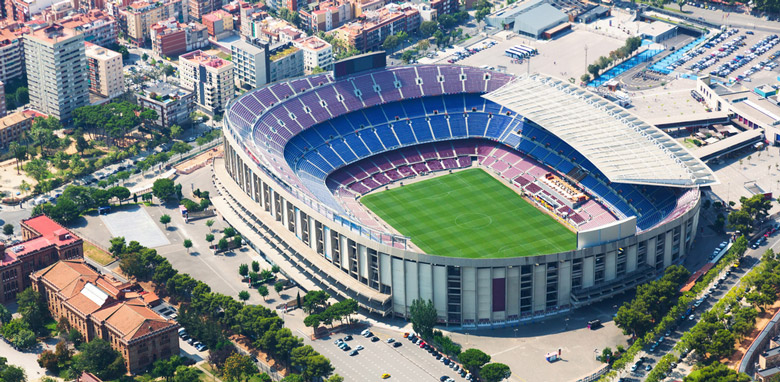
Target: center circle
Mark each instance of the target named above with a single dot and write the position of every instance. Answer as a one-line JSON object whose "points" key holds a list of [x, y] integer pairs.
{"points": [[473, 220]]}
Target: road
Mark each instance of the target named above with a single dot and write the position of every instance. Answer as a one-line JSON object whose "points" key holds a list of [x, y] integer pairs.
{"points": [[751, 259]]}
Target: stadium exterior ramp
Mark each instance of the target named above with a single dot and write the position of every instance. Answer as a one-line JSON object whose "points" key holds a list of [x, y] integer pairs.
{"points": [[261, 194], [623, 147]]}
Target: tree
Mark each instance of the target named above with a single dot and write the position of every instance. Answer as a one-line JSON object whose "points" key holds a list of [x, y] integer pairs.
{"points": [[75, 337], [5, 315], [681, 3], [317, 70], [424, 317], [48, 361], [390, 43], [37, 168], [186, 374], [117, 247], [209, 238], [222, 244], [163, 189], [495, 372], [209, 223], [187, 244], [473, 360], [144, 57], [97, 357], [32, 308], [8, 229], [263, 290], [481, 14], [585, 78], [11, 373], [335, 378], [165, 220], [243, 270], [243, 295], [19, 153], [166, 368], [716, 372], [119, 192], [279, 287], [255, 266], [407, 56], [229, 231], [238, 367], [180, 147], [428, 28]]}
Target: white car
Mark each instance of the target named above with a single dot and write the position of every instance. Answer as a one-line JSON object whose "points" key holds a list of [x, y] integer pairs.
{"points": [[390, 340], [359, 347]]}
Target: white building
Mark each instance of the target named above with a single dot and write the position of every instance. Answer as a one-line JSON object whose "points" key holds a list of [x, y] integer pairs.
{"points": [[209, 77], [316, 53]]}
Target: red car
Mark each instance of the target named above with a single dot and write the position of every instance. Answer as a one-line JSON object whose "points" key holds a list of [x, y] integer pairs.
{"points": [[422, 344]]}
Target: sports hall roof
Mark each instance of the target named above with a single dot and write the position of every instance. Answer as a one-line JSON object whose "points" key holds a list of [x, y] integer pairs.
{"points": [[623, 147]]}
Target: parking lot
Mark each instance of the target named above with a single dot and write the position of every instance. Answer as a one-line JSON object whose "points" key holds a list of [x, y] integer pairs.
{"points": [[734, 55], [406, 362]]}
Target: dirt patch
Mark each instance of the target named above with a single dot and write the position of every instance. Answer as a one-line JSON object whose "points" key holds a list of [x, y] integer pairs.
{"points": [[199, 161], [742, 346]]}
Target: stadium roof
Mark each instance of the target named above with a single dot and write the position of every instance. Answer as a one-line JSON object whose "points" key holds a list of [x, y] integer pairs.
{"points": [[623, 147]]}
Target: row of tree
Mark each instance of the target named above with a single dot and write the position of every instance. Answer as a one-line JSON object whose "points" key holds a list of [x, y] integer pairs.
{"points": [[211, 317], [22, 332], [604, 62], [76, 200], [651, 303], [337, 312], [112, 122]]}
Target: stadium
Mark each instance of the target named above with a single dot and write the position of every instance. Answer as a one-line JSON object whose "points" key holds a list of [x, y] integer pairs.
{"points": [[500, 198]]}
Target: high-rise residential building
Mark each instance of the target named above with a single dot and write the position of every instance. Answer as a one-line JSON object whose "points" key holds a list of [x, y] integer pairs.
{"points": [[2, 100], [172, 103], [171, 38], [100, 306], [258, 63], [56, 71], [138, 17], [11, 54], [249, 12], [97, 26], [316, 53], [219, 23], [209, 77], [369, 32], [105, 71]]}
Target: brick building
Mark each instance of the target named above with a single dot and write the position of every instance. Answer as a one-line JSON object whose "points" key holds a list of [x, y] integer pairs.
{"points": [[13, 125], [218, 23], [172, 39], [99, 306], [370, 30], [45, 242]]}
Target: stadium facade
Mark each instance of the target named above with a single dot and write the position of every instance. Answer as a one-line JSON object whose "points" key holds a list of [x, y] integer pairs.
{"points": [[299, 154]]}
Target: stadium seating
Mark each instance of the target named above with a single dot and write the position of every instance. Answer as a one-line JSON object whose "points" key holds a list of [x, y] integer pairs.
{"points": [[348, 136]]}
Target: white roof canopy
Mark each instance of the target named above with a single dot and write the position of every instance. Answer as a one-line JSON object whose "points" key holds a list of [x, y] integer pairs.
{"points": [[623, 147]]}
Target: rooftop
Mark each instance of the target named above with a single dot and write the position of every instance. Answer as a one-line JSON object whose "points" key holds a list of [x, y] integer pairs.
{"points": [[283, 53], [93, 50], [53, 34], [312, 43], [165, 92], [623, 147], [13, 119], [94, 17], [205, 59]]}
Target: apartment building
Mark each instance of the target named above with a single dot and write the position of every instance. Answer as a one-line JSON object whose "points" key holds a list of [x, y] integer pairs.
{"points": [[58, 11], [23, 10], [326, 15], [369, 32], [247, 13], [445, 7], [11, 53], [13, 125], [56, 68], [316, 53], [45, 242], [171, 38], [139, 17], [274, 31], [258, 63], [105, 71], [209, 77], [218, 23], [97, 26], [172, 103], [100, 306], [3, 110], [200, 8]]}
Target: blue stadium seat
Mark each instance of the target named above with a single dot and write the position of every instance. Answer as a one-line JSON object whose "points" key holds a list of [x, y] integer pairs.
{"points": [[357, 145], [422, 130], [371, 140], [404, 133], [458, 125]]}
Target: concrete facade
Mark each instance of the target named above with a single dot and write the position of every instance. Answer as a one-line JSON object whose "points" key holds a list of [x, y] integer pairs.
{"points": [[105, 71]]}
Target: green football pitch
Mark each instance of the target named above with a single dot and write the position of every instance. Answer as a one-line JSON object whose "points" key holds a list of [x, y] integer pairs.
{"points": [[470, 214]]}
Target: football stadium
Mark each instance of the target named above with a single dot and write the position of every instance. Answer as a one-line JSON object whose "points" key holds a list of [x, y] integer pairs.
{"points": [[500, 198]]}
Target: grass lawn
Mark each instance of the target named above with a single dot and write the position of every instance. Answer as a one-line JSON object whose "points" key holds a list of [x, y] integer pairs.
{"points": [[470, 214], [97, 254]]}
